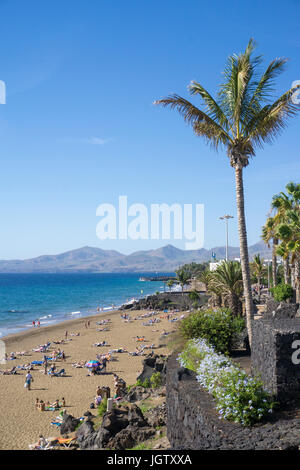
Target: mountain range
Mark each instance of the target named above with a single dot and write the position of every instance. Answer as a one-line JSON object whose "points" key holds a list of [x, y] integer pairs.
{"points": [[89, 259]]}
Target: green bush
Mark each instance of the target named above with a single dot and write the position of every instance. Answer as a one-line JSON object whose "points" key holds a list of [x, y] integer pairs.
{"points": [[194, 296], [102, 407], [282, 292], [218, 327], [145, 384], [156, 380]]}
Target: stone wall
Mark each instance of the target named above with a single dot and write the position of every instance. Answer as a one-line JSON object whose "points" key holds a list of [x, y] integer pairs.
{"points": [[193, 422], [281, 310], [272, 353]]}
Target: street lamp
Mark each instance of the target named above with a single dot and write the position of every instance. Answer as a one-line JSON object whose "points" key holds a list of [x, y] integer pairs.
{"points": [[226, 217]]}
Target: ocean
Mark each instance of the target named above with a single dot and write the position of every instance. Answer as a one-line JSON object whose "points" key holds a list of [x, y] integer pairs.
{"points": [[51, 298]]}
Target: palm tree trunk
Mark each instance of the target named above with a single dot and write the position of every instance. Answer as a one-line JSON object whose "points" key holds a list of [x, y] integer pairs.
{"points": [[293, 275], [274, 262], [286, 270], [239, 187], [297, 280]]}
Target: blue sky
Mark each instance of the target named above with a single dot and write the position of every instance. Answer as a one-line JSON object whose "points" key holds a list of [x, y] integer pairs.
{"points": [[79, 127]]}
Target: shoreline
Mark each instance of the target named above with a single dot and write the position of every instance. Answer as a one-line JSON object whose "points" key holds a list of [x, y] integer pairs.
{"points": [[72, 322]]}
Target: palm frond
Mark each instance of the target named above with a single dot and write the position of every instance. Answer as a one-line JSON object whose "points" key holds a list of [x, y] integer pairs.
{"points": [[201, 122], [236, 91], [265, 85], [265, 125], [214, 110]]}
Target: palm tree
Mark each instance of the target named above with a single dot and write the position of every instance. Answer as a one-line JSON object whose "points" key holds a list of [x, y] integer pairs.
{"points": [[268, 234], [242, 118], [227, 279], [283, 203], [258, 269], [170, 284], [289, 232], [182, 277]]}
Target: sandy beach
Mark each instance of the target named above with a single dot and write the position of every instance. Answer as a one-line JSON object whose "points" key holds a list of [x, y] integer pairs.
{"points": [[20, 423]]}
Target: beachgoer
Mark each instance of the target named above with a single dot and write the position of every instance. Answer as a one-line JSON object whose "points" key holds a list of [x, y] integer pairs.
{"points": [[66, 334], [104, 362], [28, 381], [42, 406], [63, 402], [37, 403], [55, 404], [98, 400], [38, 323], [41, 442], [33, 323]]}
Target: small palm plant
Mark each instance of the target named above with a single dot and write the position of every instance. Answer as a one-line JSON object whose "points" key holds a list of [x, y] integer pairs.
{"points": [[227, 279], [243, 117]]}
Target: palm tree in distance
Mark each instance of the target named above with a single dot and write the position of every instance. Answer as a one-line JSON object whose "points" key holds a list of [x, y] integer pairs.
{"points": [[268, 234], [241, 118], [258, 269]]}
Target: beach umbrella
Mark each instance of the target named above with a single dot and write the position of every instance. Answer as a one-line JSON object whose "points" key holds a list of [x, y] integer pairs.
{"points": [[91, 364]]}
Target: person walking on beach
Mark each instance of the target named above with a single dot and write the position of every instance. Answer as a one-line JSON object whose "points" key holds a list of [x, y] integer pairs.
{"points": [[38, 323], [66, 334], [28, 381], [33, 323]]}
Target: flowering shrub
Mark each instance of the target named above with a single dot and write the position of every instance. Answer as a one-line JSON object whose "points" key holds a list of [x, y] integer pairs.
{"points": [[239, 397], [218, 327]]}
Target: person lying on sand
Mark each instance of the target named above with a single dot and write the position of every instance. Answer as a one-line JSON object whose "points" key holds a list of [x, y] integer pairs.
{"points": [[12, 371], [148, 346], [137, 352], [78, 365], [103, 343], [26, 367], [42, 443], [118, 350], [22, 353], [11, 357]]}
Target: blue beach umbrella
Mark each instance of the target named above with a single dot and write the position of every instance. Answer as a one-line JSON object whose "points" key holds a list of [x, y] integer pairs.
{"points": [[91, 364]]}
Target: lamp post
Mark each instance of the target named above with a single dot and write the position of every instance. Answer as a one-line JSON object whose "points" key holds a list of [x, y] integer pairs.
{"points": [[226, 217]]}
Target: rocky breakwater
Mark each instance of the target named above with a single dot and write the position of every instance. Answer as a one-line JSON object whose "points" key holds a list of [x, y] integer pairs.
{"points": [[166, 300]]}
